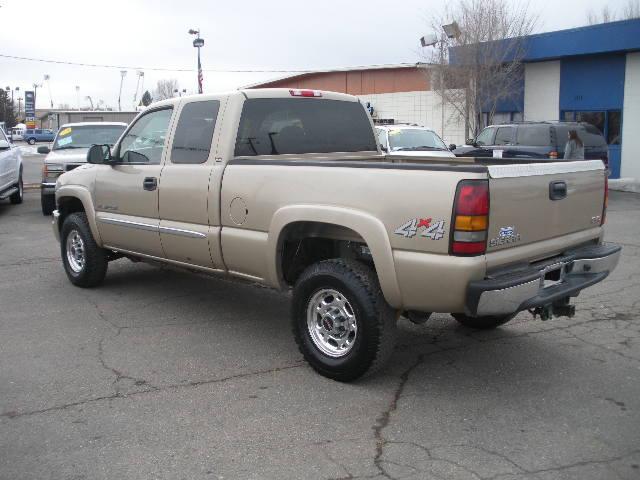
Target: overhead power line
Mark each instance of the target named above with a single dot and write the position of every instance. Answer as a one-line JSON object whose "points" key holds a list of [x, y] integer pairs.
{"points": [[158, 69]]}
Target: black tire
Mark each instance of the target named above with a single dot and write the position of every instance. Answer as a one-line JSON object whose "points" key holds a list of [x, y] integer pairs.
{"points": [[31, 141], [95, 263], [482, 323], [48, 203], [375, 318], [17, 197]]}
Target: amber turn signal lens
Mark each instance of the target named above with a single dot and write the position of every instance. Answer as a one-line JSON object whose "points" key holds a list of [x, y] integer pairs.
{"points": [[470, 223]]}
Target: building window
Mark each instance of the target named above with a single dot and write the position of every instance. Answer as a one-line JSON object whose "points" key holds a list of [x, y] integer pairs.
{"points": [[614, 130], [609, 123]]}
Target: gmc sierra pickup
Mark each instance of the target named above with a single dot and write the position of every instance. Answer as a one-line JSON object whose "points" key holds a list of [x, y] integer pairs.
{"points": [[289, 188]]}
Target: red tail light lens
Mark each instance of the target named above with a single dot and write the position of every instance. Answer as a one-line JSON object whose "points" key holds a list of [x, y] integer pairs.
{"points": [[470, 218]]}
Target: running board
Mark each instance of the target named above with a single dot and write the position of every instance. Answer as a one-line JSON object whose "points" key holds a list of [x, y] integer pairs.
{"points": [[8, 193]]}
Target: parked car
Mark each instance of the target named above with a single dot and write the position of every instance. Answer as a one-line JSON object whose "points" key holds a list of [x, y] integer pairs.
{"points": [[541, 140], [10, 170], [411, 140], [69, 151], [17, 134], [31, 136], [289, 188]]}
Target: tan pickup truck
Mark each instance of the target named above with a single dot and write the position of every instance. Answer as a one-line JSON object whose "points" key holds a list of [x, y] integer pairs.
{"points": [[289, 188]]}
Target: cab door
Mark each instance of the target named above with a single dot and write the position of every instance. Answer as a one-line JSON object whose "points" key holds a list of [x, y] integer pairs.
{"points": [[126, 191], [185, 198]]}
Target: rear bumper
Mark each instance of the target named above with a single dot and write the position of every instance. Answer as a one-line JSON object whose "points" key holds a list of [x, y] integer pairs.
{"points": [[48, 188], [516, 289]]}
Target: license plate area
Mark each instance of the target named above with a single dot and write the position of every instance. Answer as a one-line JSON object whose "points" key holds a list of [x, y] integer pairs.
{"points": [[552, 275]]}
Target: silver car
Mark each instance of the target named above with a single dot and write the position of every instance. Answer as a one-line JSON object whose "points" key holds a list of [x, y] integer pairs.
{"points": [[69, 151], [411, 141]]}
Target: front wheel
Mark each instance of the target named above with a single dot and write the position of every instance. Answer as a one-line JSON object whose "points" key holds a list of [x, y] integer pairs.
{"points": [[31, 141], [84, 261], [342, 324], [482, 323]]}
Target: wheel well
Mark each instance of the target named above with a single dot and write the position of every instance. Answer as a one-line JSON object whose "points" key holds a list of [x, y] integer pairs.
{"points": [[67, 206], [304, 243]]}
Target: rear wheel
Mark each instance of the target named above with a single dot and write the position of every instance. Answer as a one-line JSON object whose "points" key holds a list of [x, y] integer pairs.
{"points": [[482, 323], [17, 197], [48, 203], [31, 141], [84, 261], [342, 324]]}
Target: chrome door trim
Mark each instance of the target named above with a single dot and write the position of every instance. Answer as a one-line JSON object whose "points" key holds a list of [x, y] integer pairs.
{"points": [[182, 232], [129, 223]]}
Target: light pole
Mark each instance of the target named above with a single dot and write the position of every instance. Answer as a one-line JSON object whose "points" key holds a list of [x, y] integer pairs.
{"points": [[47, 79], [78, 96], [90, 101], [35, 92], [198, 43], [451, 31], [123, 73], [135, 95]]}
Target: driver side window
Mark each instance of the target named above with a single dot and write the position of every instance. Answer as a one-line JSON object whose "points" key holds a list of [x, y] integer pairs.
{"points": [[144, 142]]}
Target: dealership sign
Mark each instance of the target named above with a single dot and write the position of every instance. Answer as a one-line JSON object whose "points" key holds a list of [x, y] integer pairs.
{"points": [[30, 109]]}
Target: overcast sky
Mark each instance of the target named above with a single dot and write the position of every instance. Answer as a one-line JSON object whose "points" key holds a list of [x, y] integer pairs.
{"points": [[239, 35]]}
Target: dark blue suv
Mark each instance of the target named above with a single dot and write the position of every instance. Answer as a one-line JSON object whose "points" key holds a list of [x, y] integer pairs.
{"points": [[544, 140]]}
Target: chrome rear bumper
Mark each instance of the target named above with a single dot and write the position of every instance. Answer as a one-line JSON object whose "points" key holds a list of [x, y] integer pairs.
{"points": [[522, 288]]}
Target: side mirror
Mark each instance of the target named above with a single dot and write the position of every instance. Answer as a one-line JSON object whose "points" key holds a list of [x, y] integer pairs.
{"points": [[383, 148], [472, 141], [44, 149], [452, 146], [4, 145], [99, 154]]}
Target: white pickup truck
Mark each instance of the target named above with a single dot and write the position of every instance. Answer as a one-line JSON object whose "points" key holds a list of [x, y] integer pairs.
{"points": [[288, 188], [10, 170]]}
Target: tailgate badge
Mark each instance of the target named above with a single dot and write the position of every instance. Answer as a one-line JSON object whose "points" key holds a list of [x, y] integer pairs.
{"points": [[506, 235], [431, 229]]}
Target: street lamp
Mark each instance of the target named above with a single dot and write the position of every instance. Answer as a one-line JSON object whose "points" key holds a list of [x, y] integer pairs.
{"points": [[78, 96], [123, 73], [180, 92], [47, 79], [140, 75], [198, 43]]}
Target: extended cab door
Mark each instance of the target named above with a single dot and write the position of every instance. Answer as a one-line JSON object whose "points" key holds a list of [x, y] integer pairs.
{"points": [[186, 192], [126, 192]]}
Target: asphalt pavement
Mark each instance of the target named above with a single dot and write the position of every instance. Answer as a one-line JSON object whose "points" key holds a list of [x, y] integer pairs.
{"points": [[164, 374]]}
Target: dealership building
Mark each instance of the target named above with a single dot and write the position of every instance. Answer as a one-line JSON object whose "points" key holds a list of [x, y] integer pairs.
{"points": [[589, 74]]}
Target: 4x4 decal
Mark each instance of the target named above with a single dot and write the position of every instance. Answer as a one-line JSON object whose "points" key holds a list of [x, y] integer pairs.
{"points": [[431, 229]]}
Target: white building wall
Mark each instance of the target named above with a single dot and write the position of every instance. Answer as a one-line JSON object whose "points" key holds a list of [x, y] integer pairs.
{"points": [[542, 91], [421, 107], [631, 119]]}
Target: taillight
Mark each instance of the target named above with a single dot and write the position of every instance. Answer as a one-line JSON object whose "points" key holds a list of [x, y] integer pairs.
{"points": [[305, 93], [605, 203], [470, 218], [553, 155]]}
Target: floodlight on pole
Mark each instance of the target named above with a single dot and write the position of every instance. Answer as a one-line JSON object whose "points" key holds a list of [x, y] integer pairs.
{"points": [[429, 40], [452, 30], [198, 43], [47, 79]]}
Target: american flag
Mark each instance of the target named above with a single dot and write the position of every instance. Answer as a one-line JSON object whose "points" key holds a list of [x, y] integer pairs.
{"points": [[199, 74]]}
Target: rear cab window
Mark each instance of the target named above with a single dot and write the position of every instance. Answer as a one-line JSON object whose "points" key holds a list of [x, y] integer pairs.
{"points": [[194, 133], [277, 126]]}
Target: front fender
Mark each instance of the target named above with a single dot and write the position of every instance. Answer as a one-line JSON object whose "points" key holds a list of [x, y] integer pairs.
{"points": [[82, 194], [370, 228]]}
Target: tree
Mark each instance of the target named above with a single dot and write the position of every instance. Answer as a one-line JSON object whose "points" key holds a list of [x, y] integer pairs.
{"points": [[479, 65], [146, 99], [7, 112], [630, 11], [165, 89]]}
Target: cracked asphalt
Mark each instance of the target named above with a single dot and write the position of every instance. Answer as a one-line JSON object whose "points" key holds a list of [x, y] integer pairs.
{"points": [[163, 374]]}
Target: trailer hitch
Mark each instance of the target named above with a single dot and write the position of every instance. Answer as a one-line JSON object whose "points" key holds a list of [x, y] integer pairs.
{"points": [[560, 308]]}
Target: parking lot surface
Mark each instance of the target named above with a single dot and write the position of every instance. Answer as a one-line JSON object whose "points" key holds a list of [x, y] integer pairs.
{"points": [[165, 374]]}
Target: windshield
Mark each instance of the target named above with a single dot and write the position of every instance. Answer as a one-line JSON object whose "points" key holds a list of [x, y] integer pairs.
{"points": [[415, 139], [84, 136]]}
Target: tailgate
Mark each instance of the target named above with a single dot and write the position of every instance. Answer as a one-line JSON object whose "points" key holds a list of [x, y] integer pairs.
{"points": [[540, 201]]}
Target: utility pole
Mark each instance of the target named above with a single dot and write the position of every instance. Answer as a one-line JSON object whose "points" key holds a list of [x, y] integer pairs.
{"points": [[198, 43], [78, 96], [123, 73]]}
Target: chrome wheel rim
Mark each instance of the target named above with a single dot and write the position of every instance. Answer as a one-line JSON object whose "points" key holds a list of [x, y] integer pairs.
{"points": [[331, 322], [75, 251]]}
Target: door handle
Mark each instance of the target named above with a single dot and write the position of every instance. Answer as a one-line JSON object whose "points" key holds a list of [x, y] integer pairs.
{"points": [[150, 183], [557, 190]]}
